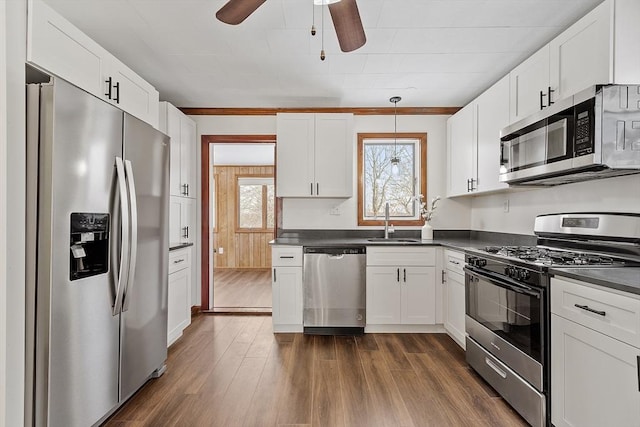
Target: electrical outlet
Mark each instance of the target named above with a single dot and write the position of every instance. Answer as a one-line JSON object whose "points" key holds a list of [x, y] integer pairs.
{"points": [[505, 206], [335, 211], [220, 251]]}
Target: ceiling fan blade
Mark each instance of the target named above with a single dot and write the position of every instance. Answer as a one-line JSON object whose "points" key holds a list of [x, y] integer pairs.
{"points": [[348, 25], [236, 11]]}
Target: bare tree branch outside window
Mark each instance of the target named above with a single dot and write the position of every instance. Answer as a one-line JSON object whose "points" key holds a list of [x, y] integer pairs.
{"points": [[381, 186]]}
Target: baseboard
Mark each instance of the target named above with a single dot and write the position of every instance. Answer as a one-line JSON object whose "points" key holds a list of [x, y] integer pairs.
{"points": [[390, 329]]}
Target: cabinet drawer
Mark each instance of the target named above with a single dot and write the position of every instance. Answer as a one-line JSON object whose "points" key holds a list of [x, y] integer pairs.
{"points": [[179, 260], [611, 313], [286, 256], [401, 255], [454, 261]]}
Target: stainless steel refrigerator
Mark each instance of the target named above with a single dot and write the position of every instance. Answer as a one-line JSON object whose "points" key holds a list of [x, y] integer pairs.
{"points": [[98, 202]]}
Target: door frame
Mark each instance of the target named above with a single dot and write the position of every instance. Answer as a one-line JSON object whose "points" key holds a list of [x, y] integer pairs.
{"points": [[205, 145]]}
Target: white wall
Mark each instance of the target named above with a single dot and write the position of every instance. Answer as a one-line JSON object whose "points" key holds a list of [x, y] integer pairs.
{"points": [[12, 170], [620, 194], [314, 213], [3, 208]]}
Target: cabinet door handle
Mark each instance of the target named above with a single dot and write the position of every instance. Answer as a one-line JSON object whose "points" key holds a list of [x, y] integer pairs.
{"points": [[468, 185], [109, 81], [187, 185], [317, 189], [542, 96], [398, 275], [454, 262], [311, 188], [274, 275], [286, 256], [117, 97], [443, 280], [549, 92], [472, 186], [591, 310], [404, 274], [178, 261], [638, 368]]}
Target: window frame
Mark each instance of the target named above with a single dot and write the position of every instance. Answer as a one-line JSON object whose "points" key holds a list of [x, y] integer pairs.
{"points": [[264, 229], [422, 153]]}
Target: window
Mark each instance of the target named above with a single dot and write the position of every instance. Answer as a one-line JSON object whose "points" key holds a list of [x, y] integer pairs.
{"points": [[256, 203], [378, 185]]}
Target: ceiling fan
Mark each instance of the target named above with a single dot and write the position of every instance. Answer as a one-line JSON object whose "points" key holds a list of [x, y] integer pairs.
{"points": [[344, 14]]}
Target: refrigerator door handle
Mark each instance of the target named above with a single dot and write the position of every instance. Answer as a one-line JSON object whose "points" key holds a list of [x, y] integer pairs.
{"points": [[134, 232], [124, 247]]}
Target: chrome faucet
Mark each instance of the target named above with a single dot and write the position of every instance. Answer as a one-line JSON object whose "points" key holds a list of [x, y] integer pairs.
{"points": [[386, 220]]}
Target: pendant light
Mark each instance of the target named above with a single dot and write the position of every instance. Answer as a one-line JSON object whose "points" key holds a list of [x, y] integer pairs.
{"points": [[395, 160]]}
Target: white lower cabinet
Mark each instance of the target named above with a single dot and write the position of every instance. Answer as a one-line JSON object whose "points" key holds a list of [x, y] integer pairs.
{"points": [[400, 294], [182, 220], [178, 294], [595, 378], [286, 288], [454, 300]]}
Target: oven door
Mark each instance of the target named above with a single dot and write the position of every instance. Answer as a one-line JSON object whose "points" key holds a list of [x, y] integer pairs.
{"points": [[507, 319]]}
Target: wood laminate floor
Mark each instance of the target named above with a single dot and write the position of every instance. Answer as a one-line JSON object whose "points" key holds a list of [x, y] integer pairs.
{"points": [[233, 371], [241, 288]]}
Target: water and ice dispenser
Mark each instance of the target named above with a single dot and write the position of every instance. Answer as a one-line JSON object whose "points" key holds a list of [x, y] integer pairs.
{"points": [[89, 245]]}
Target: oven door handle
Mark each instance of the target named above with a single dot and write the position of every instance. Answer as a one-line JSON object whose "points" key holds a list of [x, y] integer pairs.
{"points": [[503, 282]]}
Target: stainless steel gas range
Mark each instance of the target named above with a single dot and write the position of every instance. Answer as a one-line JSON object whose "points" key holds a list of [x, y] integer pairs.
{"points": [[507, 300]]}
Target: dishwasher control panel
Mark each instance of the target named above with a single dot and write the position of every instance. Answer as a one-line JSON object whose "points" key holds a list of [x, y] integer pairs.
{"points": [[334, 250]]}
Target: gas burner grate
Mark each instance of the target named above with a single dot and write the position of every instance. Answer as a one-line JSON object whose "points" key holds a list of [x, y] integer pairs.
{"points": [[552, 257]]}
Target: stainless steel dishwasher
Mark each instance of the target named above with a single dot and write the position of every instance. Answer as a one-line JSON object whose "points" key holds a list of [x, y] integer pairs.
{"points": [[334, 290]]}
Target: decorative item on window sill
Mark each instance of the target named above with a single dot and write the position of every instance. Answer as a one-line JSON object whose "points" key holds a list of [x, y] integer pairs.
{"points": [[427, 214]]}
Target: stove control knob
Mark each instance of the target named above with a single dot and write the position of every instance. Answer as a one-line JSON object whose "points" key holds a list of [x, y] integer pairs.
{"points": [[507, 271], [472, 261], [524, 274], [482, 262]]}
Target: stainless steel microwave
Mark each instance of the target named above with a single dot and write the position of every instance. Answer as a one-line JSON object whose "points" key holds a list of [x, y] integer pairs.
{"points": [[593, 134]]}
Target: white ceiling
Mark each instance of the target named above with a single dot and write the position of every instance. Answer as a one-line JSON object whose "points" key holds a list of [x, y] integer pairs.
{"points": [[430, 52]]}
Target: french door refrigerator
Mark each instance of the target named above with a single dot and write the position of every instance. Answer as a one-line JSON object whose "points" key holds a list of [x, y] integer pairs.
{"points": [[98, 202]]}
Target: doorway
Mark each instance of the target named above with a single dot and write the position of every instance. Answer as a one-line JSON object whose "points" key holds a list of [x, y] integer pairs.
{"points": [[241, 213]]}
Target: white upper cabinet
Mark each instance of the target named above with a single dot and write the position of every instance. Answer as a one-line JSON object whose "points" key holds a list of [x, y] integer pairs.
{"points": [[474, 142], [492, 114], [314, 155], [58, 47], [600, 48], [581, 56], [182, 131], [530, 85], [130, 92], [460, 150]]}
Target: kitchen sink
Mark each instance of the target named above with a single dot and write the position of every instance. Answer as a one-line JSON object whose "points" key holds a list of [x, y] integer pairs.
{"points": [[393, 240]]}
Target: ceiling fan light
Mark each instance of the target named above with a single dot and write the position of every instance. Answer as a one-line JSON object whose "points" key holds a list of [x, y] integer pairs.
{"points": [[324, 2]]}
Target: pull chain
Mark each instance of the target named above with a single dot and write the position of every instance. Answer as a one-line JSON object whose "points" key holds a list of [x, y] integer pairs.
{"points": [[322, 55]]}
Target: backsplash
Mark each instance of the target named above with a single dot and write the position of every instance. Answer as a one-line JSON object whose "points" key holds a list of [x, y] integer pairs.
{"points": [[621, 194]]}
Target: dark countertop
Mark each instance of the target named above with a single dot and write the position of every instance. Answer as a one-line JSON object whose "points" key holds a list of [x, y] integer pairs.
{"points": [[625, 279], [454, 239], [175, 246]]}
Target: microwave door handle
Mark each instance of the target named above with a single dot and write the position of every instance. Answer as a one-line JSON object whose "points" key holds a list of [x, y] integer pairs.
{"points": [[133, 252], [124, 246]]}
